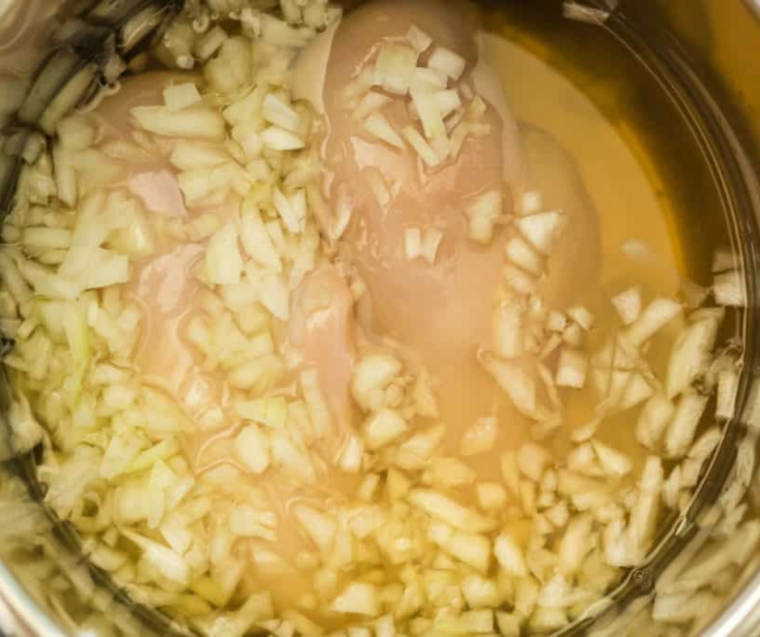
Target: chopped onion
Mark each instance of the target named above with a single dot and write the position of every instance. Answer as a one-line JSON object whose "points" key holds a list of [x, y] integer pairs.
{"points": [[224, 264], [378, 126], [76, 132], [541, 229], [412, 243], [519, 252], [683, 426], [515, 381], [382, 428], [447, 101], [180, 96], [429, 112], [430, 78], [320, 527], [479, 437], [443, 59], [277, 111], [628, 304], [508, 329], [482, 213], [571, 370], [728, 385], [656, 315], [395, 66], [691, 354], [277, 138], [419, 40], [728, 289], [424, 151], [430, 243], [193, 123], [371, 377], [371, 102], [358, 599]]}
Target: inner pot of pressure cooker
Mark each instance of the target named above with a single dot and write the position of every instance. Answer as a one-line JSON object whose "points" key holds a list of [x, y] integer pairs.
{"points": [[384, 319]]}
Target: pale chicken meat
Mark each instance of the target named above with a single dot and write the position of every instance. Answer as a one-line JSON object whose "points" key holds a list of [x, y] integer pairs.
{"points": [[440, 311]]}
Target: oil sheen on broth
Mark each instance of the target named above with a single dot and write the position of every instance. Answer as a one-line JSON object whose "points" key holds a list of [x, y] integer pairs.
{"points": [[546, 136]]}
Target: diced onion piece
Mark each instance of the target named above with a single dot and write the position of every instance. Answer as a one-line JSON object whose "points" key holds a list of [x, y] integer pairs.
{"points": [[430, 78], [76, 132], [320, 527], [358, 598], [728, 289], [508, 326], [448, 102], [531, 202], [275, 295], [277, 111], [443, 59], [419, 40], [256, 241], [628, 304], [637, 390], [181, 96], [424, 151], [429, 113], [469, 548], [515, 381], [614, 463], [519, 252], [582, 317], [691, 354], [251, 450], [571, 370], [479, 437], [430, 243], [44, 237], [371, 376], [728, 385], [683, 426], [169, 564], [724, 259], [272, 412], [443, 508], [541, 229], [371, 102], [277, 138], [193, 122], [350, 459], [292, 210], [378, 126], [510, 556], [412, 243], [656, 315], [224, 264], [516, 279], [210, 43], [394, 69], [533, 460], [491, 496], [382, 428], [482, 213]]}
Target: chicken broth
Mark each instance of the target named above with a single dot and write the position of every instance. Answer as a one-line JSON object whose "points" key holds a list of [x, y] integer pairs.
{"points": [[389, 320]]}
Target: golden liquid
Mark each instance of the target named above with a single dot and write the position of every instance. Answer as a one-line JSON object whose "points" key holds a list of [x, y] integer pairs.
{"points": [[642, 190]]}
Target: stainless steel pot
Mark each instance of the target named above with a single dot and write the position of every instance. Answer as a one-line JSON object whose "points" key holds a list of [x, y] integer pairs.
{"points": [[704, 55]]}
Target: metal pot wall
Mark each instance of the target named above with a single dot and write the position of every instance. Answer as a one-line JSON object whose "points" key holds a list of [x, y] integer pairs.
{"points": [[704, 53]]}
